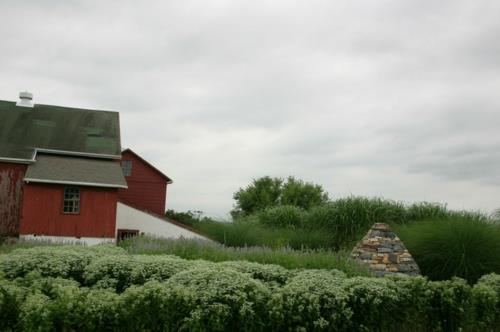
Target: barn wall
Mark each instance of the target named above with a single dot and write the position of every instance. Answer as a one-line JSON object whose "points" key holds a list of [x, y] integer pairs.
{"points": [[146, 188], [130, 218], [11, 194], [42, 212]]}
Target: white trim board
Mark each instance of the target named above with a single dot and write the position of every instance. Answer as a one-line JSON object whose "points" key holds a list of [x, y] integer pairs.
{"points": [[89, 241]]}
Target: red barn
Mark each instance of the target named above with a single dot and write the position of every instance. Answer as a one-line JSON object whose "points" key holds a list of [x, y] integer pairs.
{"points": [[147, 186], [59, 171], [62, 174]]}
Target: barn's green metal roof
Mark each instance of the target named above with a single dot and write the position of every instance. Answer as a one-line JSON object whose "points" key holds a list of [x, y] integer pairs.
{"points": [[47, 127], [78, 171]]}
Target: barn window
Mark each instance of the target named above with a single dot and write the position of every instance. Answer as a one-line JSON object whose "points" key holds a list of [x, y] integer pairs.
{"points": [[127, 167], [71, 202]]}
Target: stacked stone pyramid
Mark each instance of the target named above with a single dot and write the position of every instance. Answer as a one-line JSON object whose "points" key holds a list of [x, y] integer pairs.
{"points": [[384, 253]]}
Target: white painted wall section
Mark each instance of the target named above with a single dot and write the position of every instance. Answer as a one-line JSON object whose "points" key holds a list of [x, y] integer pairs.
{"points": [[130, 218], [89, 241]]}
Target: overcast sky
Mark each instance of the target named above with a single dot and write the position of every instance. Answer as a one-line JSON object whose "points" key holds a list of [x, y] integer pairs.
{"points": [[397, 99]]}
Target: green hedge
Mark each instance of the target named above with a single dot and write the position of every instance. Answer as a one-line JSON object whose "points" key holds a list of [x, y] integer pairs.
{"points": [[153, 293], [222, 299]]}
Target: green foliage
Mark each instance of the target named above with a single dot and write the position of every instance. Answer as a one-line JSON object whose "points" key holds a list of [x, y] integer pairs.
{"points": [[267, 273], [302, 194], [448, 303], [150, 302], [11, 298], [99, 310], [491, 280], [486, 304], [262, 193], [345, 219], [282, 216], [486, 301], [189, 218], [424, 210], [373, 300], [267, 192], [122, 271], [50, 305], [311, 302], [285, 257], [463, 246], [270, 204], [337, 224], [239, 296], [219, 300], [248, 231]]}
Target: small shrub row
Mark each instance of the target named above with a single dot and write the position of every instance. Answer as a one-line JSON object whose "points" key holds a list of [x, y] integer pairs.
{"points": [[54, 261], [116, 270], [223, 299]]}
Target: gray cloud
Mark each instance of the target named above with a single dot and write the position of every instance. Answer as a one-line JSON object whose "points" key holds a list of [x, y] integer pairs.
{"points": [[395, 99]]}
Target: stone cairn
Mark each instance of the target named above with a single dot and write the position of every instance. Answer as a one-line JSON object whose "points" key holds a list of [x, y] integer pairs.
{"points": [[384, 253]]}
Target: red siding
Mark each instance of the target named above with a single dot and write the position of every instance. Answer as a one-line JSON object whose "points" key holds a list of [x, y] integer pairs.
{"points": [[146, 188], [42, 206], [11, 193]]}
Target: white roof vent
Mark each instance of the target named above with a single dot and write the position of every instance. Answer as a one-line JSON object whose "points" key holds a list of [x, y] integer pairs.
{"points": [[25, 99]]}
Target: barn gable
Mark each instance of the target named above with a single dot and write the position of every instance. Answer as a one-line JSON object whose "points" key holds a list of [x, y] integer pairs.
{"points": [[147, 186]]}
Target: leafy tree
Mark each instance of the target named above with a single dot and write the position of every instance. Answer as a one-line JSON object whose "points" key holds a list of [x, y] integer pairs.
{"points": [[267, 192], [302, 194], [262, 193]]}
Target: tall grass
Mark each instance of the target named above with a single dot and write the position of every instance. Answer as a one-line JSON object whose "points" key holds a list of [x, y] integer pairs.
{"points": [[249, 233], [285, 257], [338, 224], [465, 246], [347, 219]]}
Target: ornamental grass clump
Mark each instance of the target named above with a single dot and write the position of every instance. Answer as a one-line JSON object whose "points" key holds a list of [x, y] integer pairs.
{"points": [[345, 219], [465, 246]]}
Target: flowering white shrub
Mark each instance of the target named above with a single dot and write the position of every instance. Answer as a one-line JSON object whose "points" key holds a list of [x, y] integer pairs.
{"points": [[85, 289], [57, 261]]}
